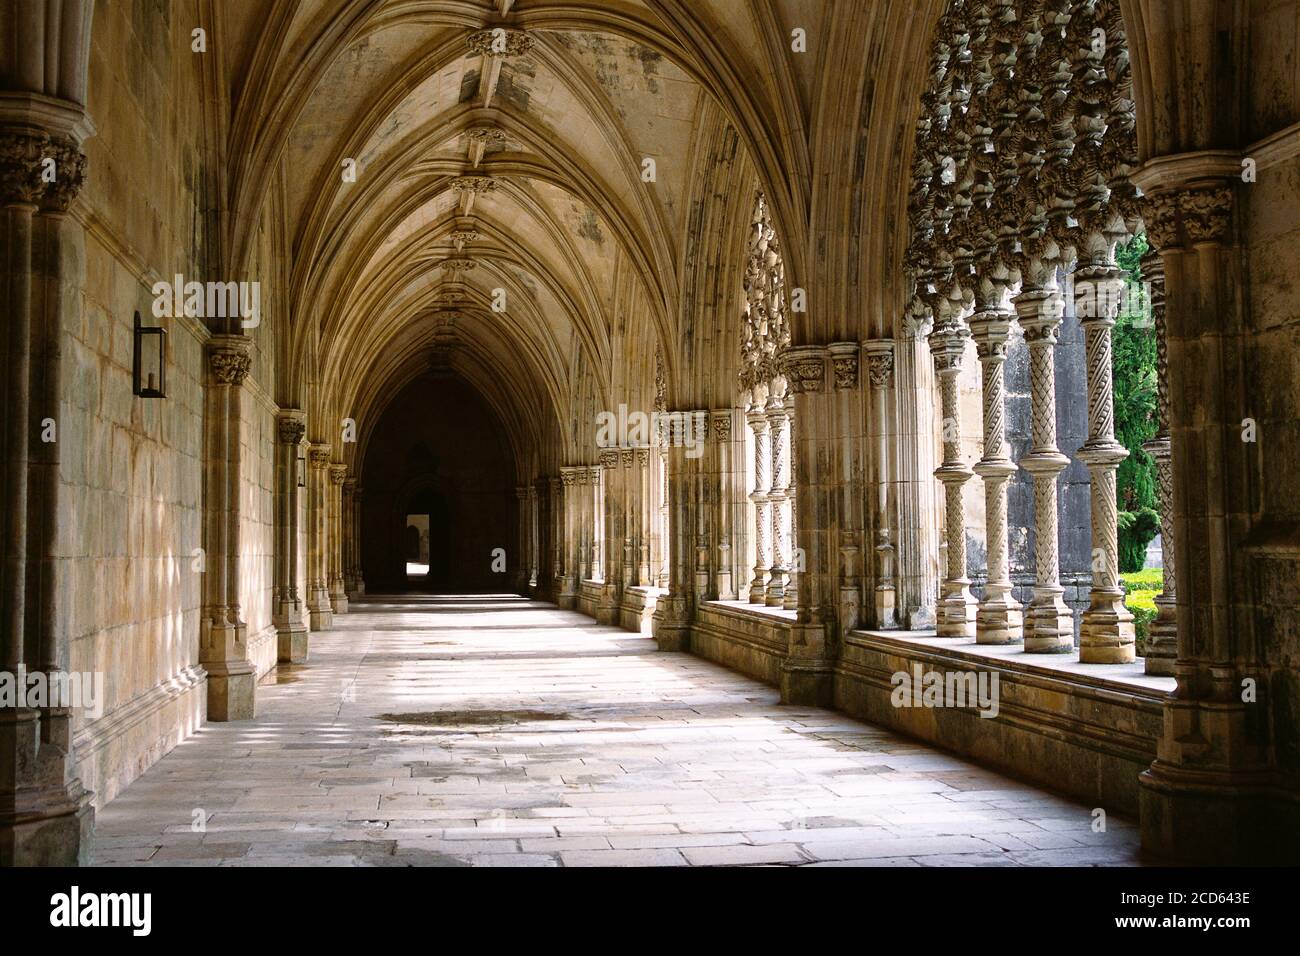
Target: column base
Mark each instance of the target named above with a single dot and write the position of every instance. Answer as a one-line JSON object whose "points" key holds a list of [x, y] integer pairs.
{"points": [[292, 644], [672, 637], [1049, 624], [774, 594], [57, 835], [670, 626], [1161, 650], [922, 617], [1106, 632], [999, 620], [231, 690], [339, 602], [956, 612], [607, 608], [45, 819], [807, 683], [1217, 819], [886, 608]]}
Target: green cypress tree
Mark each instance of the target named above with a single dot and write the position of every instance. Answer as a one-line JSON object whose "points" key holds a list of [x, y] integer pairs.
{"points": [[1134, 351]]}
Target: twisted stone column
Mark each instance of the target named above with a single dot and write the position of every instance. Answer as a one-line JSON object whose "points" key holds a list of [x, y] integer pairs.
{"points": [[956, 611], [1106, 633], [777, 497], [1049, 625], [758, 424], [999, 620], [795, 564], [318, 600]]}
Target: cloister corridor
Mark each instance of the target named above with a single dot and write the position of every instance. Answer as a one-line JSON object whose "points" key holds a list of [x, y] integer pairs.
{"points": [[496, 730]]}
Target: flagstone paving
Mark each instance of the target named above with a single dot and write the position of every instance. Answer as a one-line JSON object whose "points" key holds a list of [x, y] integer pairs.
{"points": [[495, 731]]}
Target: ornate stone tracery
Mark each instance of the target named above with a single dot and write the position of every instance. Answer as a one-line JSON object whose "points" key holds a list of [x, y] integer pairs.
{"points": [[1023, 151], [765, 339]]}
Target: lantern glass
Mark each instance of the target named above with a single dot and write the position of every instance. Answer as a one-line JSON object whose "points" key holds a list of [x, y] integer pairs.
{"points": [[150, 360]]}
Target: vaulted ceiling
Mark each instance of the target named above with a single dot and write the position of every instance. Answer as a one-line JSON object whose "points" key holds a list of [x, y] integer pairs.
{"points": [[479, 174]]}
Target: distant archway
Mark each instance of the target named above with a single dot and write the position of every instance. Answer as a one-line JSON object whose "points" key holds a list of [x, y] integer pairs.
{"points": [[439, 462]]}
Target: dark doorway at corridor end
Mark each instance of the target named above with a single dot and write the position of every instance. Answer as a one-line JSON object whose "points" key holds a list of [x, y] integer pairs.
{"points": [[438, 464]]}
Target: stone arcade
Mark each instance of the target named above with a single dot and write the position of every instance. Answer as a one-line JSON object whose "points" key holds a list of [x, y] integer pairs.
{"points": [[854, 261]]}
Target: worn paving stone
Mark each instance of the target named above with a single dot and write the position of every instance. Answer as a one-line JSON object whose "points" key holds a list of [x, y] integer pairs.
{"points": [[541, 739]]}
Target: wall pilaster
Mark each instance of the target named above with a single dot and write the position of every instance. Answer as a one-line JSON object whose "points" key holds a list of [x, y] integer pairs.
{"points": [[320, 609], [223, 636], [290, 608]]}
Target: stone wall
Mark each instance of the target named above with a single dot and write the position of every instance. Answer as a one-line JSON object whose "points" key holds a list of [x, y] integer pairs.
{"points": [[132, 467], [1273, 364]]}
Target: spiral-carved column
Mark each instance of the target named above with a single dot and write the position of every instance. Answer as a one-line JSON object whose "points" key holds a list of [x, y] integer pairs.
{"points": [[1049, 623], [1106, 634], [956, 611], [779, 503], [999, 620], [757, 418]]}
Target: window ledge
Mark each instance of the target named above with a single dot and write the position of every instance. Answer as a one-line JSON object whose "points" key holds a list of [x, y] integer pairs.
{"points": [[1118, 677], [755, 610]]}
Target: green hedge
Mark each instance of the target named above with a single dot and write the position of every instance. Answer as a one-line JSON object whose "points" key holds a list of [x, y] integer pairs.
{"points": [[1140, 590]]}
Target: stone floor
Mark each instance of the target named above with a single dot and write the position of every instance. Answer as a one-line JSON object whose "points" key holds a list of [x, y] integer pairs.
{"points": [[496, 731]]}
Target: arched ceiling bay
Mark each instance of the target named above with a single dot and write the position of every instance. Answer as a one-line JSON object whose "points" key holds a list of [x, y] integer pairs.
{"points": [[476, 174], [559, 127]]}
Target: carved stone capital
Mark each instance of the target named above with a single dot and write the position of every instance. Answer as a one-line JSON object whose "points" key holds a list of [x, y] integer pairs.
{"points": [[844, 365], [69, 171], [1207, 212], [880, 363], [21, 154], [292, 428], [990, 330], [805, 369], [338, 473], [1160, 215], [319, 456], [229, 358], [460, 264], [722, 427]]}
